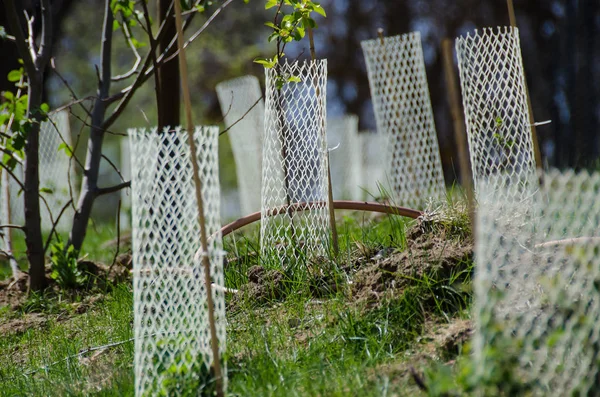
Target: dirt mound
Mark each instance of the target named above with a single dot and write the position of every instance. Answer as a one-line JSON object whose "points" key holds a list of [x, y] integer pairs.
{"points": [[264, 285], [427, 254]]}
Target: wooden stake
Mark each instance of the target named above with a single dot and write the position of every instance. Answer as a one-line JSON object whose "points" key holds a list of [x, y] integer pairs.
{"points": [[334, 234], [536, 145], [198, 185], [460, 133]]}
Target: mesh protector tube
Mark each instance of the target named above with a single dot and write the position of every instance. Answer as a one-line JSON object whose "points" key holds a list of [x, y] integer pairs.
{"points": [[403, 112], [56, 170], [536, 285], [345, 160], [372, 174], [496, 115], [241, 103], [295, 161], [125, 193], [172, 335]]}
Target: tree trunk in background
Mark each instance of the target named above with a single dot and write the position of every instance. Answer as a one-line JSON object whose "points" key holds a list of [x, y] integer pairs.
{"points": [[89, 184], [584, 117], [168, 73]]}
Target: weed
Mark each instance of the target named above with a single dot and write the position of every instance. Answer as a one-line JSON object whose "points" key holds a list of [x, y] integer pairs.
{"points": [[65, 269]]}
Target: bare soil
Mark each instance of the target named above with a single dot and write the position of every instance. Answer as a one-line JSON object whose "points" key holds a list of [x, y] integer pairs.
{"points": [[429, 254]]}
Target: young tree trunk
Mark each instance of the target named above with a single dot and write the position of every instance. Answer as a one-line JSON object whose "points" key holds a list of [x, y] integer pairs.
{"points": [[168, 73], [35, 61], [89, 185], [31, 195]]}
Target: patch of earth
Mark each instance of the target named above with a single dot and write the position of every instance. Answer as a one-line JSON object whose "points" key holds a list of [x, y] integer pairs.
{"points": [[264, 285], [428, 254], [21, 325], [445, 341], [13, 293]]}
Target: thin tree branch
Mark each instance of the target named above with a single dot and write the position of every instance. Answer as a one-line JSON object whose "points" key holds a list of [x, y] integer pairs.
{"points": [[199, 31], [60, 214], [30, 39], [112, 189], [12, 14], [66, 83], [11, 226], [46, 41], [113, 165], [138, 58], [153, 44], [125, 95], [12, 175], [244, 115], [72, 155]]}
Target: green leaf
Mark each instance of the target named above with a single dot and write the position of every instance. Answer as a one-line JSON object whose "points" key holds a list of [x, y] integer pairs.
{"points": [[271, 4], [268, 63], [9, 96], [294, 79], [44, 108], [67, 149], [136, 43], [319, 10], [272, 25], [116, 25], [46, 190]]}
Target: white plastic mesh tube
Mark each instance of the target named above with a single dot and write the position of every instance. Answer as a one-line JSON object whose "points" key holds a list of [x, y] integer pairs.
{"points": [[496, 115], [400, 96], [537, 285], [57, 176], [172, 338], [344, 157], [244, 111], [373, 147], [125, 170], [295, 161]]}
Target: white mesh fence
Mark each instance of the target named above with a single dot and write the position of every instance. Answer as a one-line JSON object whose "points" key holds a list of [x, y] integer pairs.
{"points": [[244, 111], [537, 286], [403, 112], [125, 170], [496, 114], [172, 338], [345, 159], [295, 161], [373, 147], [56, 171]]}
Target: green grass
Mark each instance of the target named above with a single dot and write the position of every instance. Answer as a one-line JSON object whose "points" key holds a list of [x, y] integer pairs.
{"points": [[300, 344]]}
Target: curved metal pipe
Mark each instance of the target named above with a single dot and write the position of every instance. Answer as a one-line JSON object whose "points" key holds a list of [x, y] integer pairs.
{"points": [[337, 204]]}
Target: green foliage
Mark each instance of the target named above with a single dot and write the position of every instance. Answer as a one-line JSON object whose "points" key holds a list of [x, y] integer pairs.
{"points": [[15, 121], [65, 269], [290, 27]]}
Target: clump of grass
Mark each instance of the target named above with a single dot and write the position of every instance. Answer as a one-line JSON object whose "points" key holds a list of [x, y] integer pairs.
{"points": [[450, 217]]}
